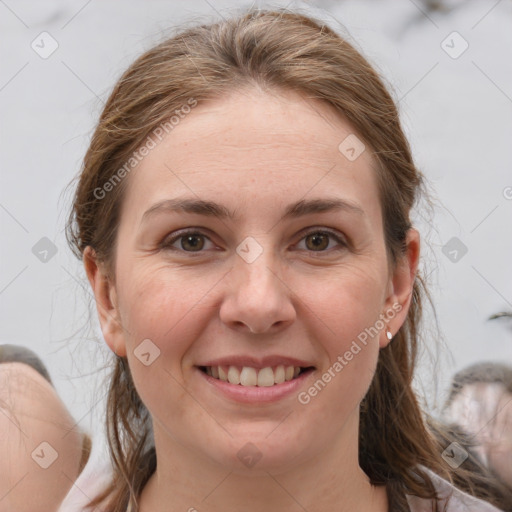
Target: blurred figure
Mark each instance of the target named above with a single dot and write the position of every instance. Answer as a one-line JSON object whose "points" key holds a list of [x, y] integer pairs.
{"points": [[480, 402], [42, 451], [472, 476]]}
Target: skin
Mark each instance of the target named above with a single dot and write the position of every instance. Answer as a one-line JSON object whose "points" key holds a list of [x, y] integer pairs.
{"points": [[32, 413], [253, 152]]}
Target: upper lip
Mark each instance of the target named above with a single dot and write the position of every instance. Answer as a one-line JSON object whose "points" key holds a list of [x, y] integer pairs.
{"points": [[255, 362]]}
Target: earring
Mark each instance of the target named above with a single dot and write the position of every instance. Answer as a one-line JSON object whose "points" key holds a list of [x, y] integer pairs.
{"points": [[389, 335]]}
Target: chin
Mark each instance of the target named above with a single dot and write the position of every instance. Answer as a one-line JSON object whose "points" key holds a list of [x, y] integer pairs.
{"points": [[261, 453]]}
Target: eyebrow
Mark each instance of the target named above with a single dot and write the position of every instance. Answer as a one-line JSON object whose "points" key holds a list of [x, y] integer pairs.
{"points": [[212, 209]]}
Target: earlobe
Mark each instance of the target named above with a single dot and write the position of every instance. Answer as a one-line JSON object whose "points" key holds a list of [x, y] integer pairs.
{"points": [[401, 288], [106, 302]]}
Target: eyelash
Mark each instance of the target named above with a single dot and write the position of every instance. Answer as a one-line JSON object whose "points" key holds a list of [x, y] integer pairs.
{"points": [[167, 243]]}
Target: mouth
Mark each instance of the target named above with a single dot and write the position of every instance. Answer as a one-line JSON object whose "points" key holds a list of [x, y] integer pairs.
{"points": [[247, 376]]}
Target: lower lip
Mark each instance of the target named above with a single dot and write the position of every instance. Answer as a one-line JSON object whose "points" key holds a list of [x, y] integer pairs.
{"points": [[257, 394]]}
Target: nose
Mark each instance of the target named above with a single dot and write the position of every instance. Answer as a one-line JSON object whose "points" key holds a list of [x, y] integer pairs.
{"points": [[258, 300]]}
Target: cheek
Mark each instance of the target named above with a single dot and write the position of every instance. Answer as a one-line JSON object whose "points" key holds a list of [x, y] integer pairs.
{"points": [[340, 387], [164, 312], [345, 304], [158, 303], [161, 320], [344, 323]]}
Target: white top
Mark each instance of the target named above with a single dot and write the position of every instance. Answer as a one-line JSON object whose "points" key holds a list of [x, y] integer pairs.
{"points": [[456, 500], [96, 476]]}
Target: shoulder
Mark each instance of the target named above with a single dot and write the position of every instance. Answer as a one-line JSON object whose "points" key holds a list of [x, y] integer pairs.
{"points": [[452, 498]]}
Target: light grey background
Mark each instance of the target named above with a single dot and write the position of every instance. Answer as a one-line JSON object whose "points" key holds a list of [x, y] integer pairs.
{"points": [[457, 113]]}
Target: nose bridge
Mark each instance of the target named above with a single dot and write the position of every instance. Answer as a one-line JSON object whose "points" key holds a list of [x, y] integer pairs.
{"points": [[256, 259], [258, 299]]}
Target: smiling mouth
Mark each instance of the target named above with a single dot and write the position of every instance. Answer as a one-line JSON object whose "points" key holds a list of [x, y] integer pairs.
{"points": [[254, 377]]}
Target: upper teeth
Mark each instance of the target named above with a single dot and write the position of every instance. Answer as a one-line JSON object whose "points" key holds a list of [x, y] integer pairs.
{"points": [[247, 376]]}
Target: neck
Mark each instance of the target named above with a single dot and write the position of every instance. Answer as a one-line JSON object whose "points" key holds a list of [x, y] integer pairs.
{"points": [[333, 480]]}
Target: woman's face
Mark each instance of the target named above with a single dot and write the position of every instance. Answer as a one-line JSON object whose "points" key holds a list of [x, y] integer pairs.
{"points": [[275, 258]]}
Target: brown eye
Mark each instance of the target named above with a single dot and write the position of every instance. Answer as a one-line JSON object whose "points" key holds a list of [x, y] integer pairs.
{"points": [[322, 242], [192, 242], [317, 241], [187, 241]]}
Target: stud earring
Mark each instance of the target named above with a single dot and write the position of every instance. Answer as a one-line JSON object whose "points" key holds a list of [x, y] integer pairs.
{"points": [[389, 335]]}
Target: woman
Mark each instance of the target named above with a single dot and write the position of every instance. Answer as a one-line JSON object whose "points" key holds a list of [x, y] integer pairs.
{"points": [[243, 219]]}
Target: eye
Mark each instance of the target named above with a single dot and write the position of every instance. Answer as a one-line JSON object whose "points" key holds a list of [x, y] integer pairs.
{"points": [[188, 241], [320, 241], [195, 241]]}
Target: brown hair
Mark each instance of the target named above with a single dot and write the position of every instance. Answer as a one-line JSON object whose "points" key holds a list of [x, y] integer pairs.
{"points": [[275, 50]]}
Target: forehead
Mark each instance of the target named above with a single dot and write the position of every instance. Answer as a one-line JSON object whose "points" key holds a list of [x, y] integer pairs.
{"points": [[259, 145]]}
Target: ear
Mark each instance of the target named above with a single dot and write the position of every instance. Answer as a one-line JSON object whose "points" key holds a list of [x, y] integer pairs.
{"points": [[106, 302], [400, 287]]}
